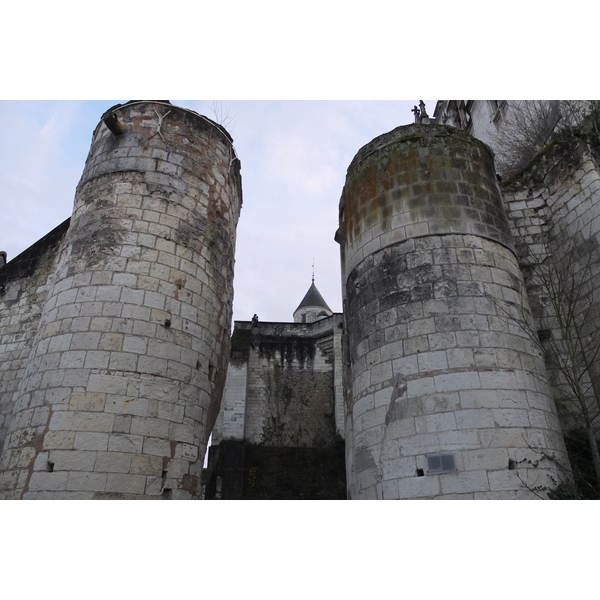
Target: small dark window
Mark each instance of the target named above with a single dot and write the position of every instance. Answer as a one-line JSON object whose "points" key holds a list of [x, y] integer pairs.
{"points": [[437, 463]]}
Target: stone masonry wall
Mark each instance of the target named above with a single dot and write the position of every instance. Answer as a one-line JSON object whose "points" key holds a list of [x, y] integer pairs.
{"points": [[554, 211], [439, 368], [23, 291], [129, 360], [280, 385]]}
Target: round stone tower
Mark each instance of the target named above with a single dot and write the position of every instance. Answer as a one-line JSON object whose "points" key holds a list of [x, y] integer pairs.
{"points": [[446, 391], [126, 372]]}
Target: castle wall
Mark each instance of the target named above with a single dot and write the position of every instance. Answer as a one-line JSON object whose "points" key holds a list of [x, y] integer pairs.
{"points": [[448, 395], [276, 434], [554, 211], [129, 360], [280, 387], [23, 291]]}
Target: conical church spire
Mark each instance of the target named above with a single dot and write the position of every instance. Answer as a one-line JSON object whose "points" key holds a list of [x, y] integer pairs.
{"points": [[313, 307]]}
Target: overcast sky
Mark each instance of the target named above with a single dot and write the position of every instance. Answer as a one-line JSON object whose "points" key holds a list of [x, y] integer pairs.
{"points": [[294, 156]]}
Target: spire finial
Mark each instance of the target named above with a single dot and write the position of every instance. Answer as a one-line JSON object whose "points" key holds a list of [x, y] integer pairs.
{"points": [[313, 271]]}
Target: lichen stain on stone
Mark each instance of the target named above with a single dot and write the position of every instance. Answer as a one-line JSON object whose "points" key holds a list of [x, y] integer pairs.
{"points": [[364, 461], [95, 238], [190, 234], [394, 412], [191, 484], [298, 406]]}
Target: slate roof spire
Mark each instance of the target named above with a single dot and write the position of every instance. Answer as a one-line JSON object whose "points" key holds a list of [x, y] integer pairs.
{"points": [[313, 307]]}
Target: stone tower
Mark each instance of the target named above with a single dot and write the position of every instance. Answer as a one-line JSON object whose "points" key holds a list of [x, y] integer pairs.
{"points": [[126, 371], [313, 307], [446, 393]]}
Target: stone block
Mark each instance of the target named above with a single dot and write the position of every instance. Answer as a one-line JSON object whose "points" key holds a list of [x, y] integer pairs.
{"points": [[125, 483], [108, 293], [402, 428], [405, 366], [151, 427], [485, 459], [108, 384], [177, 468], [45, 481], [135, 344], [111, 341], [96, 359], [151, 466], [101, 324], [460, 358], [432, 361], [183, 432], [157, 446], [511, 417], [503, 437], [90, 440], [123, 361], [85, 341], [60, 343], [400, 468], [373, 418], [451, 382], [113, 462], [439, 403], [475, 418], [504, 480], [389, 489], [59, 440], [420, 386], [87, 401], [125, 443], [464, 482], [83, 481], [442, 341], [435, 422], [416, 345], [414, 487], [381, 372], [72, 460]]}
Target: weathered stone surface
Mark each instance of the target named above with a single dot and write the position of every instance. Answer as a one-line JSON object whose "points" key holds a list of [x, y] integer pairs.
{"points": [[116, 345], [458, 373]]}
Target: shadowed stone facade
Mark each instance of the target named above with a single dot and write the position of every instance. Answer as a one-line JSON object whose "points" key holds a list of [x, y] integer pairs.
{"points": [[283, 402]]}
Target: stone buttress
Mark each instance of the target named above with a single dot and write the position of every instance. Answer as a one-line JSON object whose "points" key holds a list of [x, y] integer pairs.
{"points": [[126, 371], [446, 395]]}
